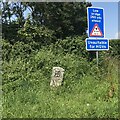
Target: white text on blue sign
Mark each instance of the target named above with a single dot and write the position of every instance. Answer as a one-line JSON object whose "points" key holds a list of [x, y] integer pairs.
{"points": [[97, 44]]}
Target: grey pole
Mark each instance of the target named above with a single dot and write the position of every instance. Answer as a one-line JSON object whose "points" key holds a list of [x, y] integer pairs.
{"points": [[97, 57]]}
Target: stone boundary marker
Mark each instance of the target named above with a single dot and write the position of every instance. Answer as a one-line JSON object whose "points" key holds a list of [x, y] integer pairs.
{"points": [[57, 76]]}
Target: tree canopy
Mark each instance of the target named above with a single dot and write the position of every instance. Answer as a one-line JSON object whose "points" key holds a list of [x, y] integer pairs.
{"points": [[64, 18]]}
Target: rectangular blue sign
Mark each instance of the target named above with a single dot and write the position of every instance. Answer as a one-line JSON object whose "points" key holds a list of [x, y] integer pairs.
{"points": [[97, 44], [95, 22]]}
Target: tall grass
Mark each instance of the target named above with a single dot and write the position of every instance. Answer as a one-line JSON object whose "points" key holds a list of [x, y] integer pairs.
{"points": [[84, 93]]}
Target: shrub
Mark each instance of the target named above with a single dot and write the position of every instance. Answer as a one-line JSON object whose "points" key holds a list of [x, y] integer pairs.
{"points": [[114, 48], [6, 49], [39, 34], [71, 45]]}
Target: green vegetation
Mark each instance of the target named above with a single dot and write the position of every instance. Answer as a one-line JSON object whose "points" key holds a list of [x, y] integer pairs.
{"points": [[30, 54], [84, 93]]}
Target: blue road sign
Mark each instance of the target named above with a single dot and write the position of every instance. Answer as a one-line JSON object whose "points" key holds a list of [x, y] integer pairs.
{"points": [[95, 22], [97, 44]]}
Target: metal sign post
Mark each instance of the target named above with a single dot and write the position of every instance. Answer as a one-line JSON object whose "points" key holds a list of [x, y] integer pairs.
{"points": [[97, 57], [99, 44]]}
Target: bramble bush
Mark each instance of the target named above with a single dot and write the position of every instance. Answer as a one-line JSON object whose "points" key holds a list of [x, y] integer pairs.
{"points": [[44, 60], [72, 45], [74, 61]]}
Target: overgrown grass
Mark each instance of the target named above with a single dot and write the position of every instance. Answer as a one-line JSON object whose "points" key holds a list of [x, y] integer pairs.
{"points": [[84, 93]]}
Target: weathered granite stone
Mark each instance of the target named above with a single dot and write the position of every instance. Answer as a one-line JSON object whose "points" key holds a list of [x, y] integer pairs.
{"points": [[57, 76]]}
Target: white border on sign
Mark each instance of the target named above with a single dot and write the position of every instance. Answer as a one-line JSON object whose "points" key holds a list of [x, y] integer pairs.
{"points": [[103, 21], [96, 39]]}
